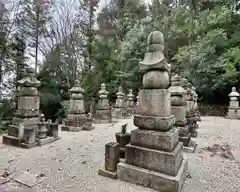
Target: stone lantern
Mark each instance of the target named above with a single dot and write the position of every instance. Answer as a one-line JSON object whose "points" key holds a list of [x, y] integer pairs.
{"points": [[233, 109]]}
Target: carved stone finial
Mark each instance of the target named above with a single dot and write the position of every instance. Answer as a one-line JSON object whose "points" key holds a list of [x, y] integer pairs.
{"points": [[154, 65], [234, 94]]}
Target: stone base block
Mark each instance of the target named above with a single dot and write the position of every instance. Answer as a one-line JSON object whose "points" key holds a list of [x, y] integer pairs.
{"points": [[28, 145], [178, 112], [154, 122], [72, 129], [45, 141], [155, 102], [161, 161], [165, 141], [194, 134], [152, 179], [10, 140], [233, 113], [105, 173], [56, 138], [185, 140], [191, 148]]}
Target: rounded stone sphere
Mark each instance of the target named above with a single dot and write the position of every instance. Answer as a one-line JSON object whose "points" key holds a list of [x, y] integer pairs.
{"points": [[156, 80], [177, 101]]}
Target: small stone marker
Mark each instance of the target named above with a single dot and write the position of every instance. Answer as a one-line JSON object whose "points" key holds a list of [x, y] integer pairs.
{"points": [[112, 155]]}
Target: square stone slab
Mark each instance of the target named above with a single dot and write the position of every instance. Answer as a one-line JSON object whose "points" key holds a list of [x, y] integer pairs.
{"points": [[26, 178], [161, 161], [152, 179], [165, 141]]}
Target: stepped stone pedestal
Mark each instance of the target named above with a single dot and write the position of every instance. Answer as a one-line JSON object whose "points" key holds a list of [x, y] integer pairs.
{"points": [[77, 119], [178, 110], [233, 109], [103, 112], [154, 158]]}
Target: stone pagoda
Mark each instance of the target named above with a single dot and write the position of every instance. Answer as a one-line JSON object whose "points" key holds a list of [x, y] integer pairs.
{"points": [[188, 106], [119, 106], [103, 112], [195, 105], [178, 110], [233, 109], [130, 103], [26, 130], [77, 119], [137, 104], [155, 156]]}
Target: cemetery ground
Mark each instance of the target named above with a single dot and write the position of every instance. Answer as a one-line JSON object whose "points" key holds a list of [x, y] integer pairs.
{"points": [[71, 163]]}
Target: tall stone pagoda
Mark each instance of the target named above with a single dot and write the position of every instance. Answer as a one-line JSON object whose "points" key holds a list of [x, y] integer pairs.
{"points": [[103, 112], [155, 156], [130, 104], [119, 106], [77, 119], [233, 109], [26, 130]]}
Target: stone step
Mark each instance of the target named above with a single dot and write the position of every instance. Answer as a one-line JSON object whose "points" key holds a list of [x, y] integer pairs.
{"points": [[164, 162]]}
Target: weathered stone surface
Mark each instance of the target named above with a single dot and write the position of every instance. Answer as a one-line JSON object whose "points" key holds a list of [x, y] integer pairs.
{"points": [[186, 140], [155, 102], [45, 141], [191, 147], [165, 141], [155, 79], [164, 162], [112, 155], [71, 128], [154, 122], [152, 179], [26, 178], [179, 113], [106, 173], [123, 139], [11, 140]]}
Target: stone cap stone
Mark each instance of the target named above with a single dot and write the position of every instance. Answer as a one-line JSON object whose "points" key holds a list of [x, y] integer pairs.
{"points": [[154, 56], [77, 88], [103, 92], [234, 93], [29, 80]]}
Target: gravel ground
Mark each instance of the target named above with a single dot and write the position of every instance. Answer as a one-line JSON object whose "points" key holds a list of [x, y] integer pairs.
{"points": [[71, 163]]}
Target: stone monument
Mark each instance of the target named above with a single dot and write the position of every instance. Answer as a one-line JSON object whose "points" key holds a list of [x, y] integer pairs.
{"points": [[155, 156], [77, 119], [119, 106], [188, 106], [233, 109], [130, 103], [26, 130], [195, 105], [103, 112]]}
